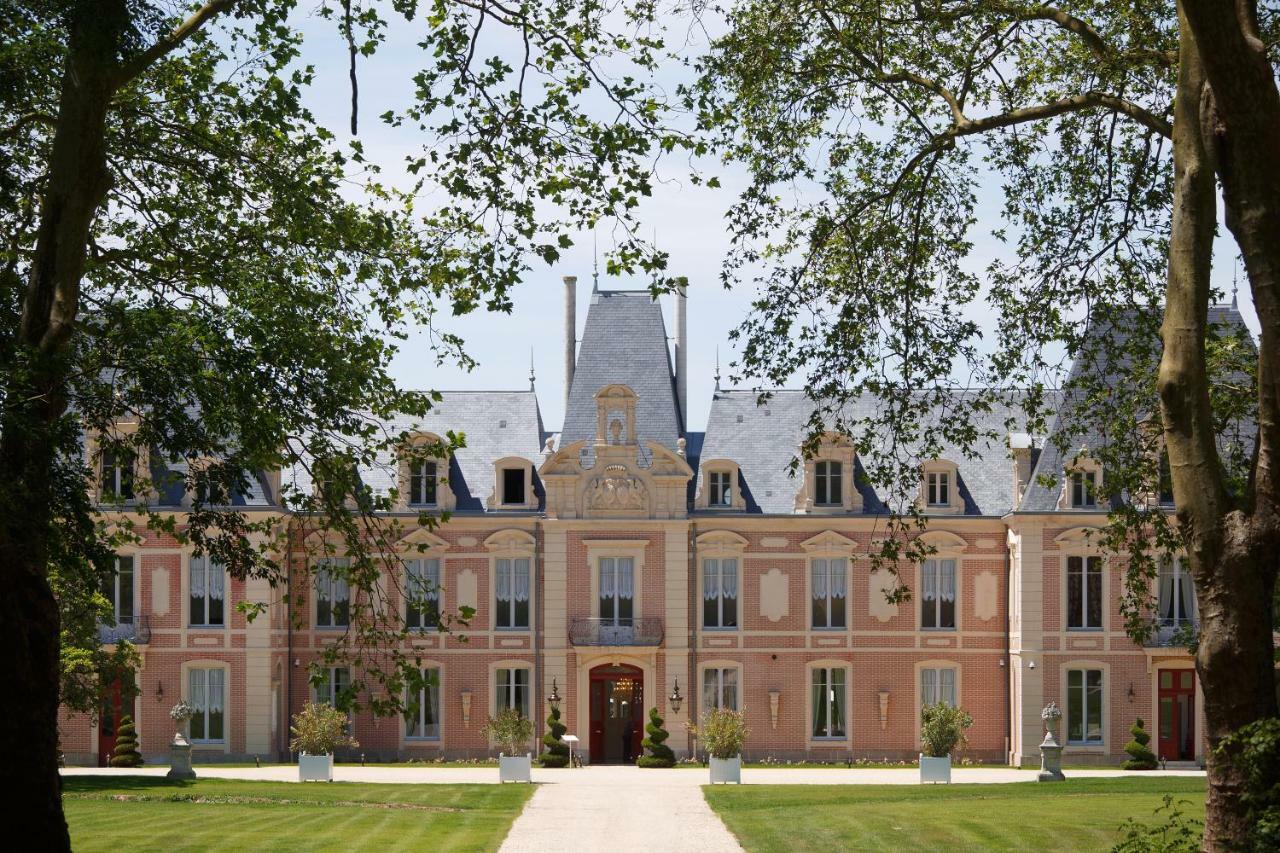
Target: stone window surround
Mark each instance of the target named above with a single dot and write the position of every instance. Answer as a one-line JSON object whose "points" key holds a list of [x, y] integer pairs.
{"points": [[719, 663], [503, 464], [445, 499], [1063, 703], [421, 544], [715, 545], [509, 544], [184, 686], [832, 448], [135, 553], [428, 742], [918, 693], [507, 663], [1082, 542], [954, 503], [227, 606], [1082, 462], [828, 545], [828, 663], [142, 487], [946, 546], [634, 548], [702, 500]]}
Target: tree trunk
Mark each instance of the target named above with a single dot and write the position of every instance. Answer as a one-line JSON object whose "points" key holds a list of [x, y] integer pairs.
{"points": [[36, 398]]}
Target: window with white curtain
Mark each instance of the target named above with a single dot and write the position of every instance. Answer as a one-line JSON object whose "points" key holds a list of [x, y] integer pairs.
{"points": [[336, 680], [617, 590], [333, 595], [422, 710], [720, 593], [511, 593], [937, 685], [208, 591], [828, 485], [118, 589], [720, 688], [512, 690], [206, 693], [422, 593], [1084, 706], [1176, 603], [829, 688], [938, 594], [1084, 593], [830, 581]]}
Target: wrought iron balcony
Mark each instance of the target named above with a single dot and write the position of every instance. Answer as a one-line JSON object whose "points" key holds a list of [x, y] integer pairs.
{"points": [[588, 631], [136, 630], [1169, 633]]}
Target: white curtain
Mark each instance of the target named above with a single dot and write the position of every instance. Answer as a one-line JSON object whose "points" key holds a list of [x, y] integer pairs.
{"points": [[947, 686], [504, 580], [710, 580], [607, 577], [947, 580], [1188, 594], [729, 577], [217, 578], [929, 580], [198, 566], [730, 690], [819, 579], [839, 578], [520, 584], [214, 697], [928, 687], [195, 689], [431, 575], [1166, 602], [626, 579]]}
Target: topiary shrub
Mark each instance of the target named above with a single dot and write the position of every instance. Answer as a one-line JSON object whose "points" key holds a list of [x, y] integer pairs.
{"points": [[557, 754], [126, 753], [660, 755], [1140, 755]]}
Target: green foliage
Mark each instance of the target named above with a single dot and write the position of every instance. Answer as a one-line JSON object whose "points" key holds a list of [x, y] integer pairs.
{"points": [[320, 729], [557, 751], [722, 732], [510, 731], [1140, 755], [943, 729], [660, 755], [126, 753], [1170, 832], [1256, 750]]}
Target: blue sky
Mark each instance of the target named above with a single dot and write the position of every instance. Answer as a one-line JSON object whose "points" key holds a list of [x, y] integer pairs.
{"points": [[688, 222]]}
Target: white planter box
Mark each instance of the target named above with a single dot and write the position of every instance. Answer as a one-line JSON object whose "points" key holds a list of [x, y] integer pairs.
{"points": [[515, 768], [935, 769], [726, 770], [315, 768]]}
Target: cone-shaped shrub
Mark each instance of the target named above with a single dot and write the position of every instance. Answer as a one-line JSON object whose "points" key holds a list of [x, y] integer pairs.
{"points": [[557, 751], [1140, 755], [660, 755], [126, 753]]}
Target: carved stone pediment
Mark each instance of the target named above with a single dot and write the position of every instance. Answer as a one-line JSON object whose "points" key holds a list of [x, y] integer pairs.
{"points": [[617, 489]]}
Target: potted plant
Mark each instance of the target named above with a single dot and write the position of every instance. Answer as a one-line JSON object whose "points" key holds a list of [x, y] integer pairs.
{"points": [[512, 733], [942, 731], [318, 730], [180, 747], [723, 732]]}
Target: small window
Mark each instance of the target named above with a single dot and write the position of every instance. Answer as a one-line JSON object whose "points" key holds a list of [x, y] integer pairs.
{"points": [[828, 483], [1176, 594], [938, 685], [117, 474], [720, 688], [1084, 593], [1166, 480], [617, 591], [828, 703], [938, 594], [333, 595], [423, 479], [422, 593], [511, 598], [513, 485], [513, 690], [337, 681], [118, 589], [1084, 706], [1084, 489], [422, 709], [721, 489], [208, 592], [939, 488], [206, 689], [830, 587], [720, 593]]}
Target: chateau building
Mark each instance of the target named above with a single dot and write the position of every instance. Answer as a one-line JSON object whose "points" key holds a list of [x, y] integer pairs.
{"points": [[625, 559]]}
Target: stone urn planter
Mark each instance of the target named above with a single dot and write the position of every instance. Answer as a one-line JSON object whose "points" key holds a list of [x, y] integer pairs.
{"points": [[726, 770], [315, 768], [935, 768], [180, 747], [1050, 749], [515, 768]]}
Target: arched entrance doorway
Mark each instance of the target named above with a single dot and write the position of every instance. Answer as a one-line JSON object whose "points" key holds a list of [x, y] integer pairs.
{"points": [[617, 712]]}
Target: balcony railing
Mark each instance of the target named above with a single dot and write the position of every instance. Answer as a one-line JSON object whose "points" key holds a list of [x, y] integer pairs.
{"points": [[586, 631], [1166, 633], [136, 630]]}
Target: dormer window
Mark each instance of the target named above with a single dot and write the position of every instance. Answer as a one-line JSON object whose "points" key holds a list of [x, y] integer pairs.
{"points": [[423, 478], [512, 484], [117, 474], [721, 490], [1083, 489], [513, 480], [938, 488], [828, 479]]}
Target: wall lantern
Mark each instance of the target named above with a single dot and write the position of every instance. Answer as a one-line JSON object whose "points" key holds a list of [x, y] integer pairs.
{"points": [[1131, 694], [466, 707], [675, 699], [159, 691], [554, 699]]}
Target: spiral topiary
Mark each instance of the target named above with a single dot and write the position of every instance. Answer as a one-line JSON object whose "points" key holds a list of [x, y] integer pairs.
{"points": [[126, 753], [557, 752], [1140, 755], [660, 755]]}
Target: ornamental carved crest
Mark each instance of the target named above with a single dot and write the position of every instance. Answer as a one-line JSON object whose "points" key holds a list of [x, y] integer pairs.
{"points": [[616, 491]]}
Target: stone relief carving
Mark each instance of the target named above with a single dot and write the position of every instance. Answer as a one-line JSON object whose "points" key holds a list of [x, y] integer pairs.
{"points": [[616, 490]]}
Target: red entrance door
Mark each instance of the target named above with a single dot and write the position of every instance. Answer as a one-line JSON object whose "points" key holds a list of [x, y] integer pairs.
{"points": [[617, 709], [1177, 698], [108, 720]]}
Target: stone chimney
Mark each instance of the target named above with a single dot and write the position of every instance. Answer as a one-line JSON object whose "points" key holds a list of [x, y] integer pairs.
{"points": [[570, 334], [682, 349], [1020, 446]]}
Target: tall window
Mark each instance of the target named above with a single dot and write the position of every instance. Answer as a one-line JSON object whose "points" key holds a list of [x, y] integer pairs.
{"points": [[617, 590], [1177, 594], [336, 681], [205, 692], [422, 593], [422, 710], [333, 595], [720, 593], [118, 589], [938, 685], [117, 474], [720, 688], [511, 593], [1084, 593], [938, 488], [827, 483], [1084, 706], [1084, 489], [830, 586], [828, 702], [721, 489], [208, 591], [513, 690], [938, 594], [422, 483], [513, 485]]}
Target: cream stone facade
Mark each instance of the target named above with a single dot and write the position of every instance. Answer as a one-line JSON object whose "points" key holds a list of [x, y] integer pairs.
{"points": [[624, 561]]}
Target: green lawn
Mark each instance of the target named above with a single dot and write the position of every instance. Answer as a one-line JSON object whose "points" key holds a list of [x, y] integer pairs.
{"points": [[127, 813], [1075, 815]]}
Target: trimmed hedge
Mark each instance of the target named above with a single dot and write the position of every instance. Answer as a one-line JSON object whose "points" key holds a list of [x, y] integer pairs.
{"points": [[660, 755], [1140, 755], [557, 752], [126, 753]]}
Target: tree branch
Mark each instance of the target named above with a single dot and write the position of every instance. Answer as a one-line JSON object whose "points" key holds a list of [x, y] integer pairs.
{"points": [[1071, 103], [140, 63], [33, 117]]}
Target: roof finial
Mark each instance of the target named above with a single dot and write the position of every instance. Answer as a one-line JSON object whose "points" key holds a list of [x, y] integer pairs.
{"points": [[717, 368], [1234, 286], [530, 368], [595, 261]]}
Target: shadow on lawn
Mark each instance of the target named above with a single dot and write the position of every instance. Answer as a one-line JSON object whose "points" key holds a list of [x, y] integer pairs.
{"points": [[91, 784]]}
